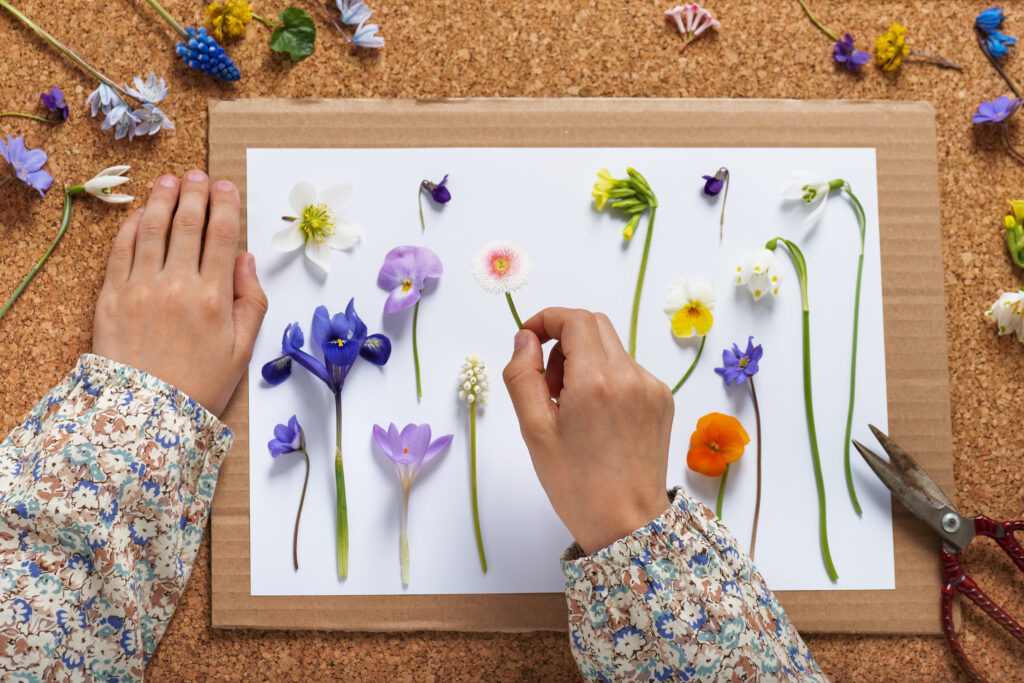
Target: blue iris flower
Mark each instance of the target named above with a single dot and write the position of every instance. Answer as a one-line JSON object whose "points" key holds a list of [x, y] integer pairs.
{"points": [[342, 339]]}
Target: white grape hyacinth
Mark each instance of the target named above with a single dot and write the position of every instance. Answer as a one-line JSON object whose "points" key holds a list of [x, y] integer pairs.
{"points": [[761, 272], [473, 384]]}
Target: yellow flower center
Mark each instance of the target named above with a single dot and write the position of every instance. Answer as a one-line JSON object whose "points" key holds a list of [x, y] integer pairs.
{"points": [[406, 285], [500, 264], [743, 362], [317, 223], [339, 342]]}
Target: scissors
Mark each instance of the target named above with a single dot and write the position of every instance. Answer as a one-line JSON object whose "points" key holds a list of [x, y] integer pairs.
{"points": [[919, 493]]}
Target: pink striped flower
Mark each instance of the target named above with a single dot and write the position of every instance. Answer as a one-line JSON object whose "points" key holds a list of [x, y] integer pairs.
{"points": [[692, 20]]}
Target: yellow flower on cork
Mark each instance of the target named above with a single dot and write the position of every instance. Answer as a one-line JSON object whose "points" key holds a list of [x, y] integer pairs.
{"points": [[229, 20], [891, 47]]}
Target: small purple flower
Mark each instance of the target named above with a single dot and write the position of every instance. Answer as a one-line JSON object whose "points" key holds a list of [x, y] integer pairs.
{"points": [[54, 101], [844, 53], [404, 271], [438, 192], [288, 438], [26, 164], [740, 365], [996, 110], [409, 449], [713, 184]]}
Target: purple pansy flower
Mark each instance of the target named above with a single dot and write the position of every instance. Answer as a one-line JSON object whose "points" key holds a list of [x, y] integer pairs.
{"points": [[54, 101], [996, 110], [738, 366], [26, 165], [403, 274], [844, 53], [288, 438]]}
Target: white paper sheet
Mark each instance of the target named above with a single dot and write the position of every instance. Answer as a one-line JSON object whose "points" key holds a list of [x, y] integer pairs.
{"points": [[541, 199]]}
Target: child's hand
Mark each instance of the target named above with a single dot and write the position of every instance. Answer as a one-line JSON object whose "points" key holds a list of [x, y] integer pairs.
{"points": [[601, 451], [182, 306]]}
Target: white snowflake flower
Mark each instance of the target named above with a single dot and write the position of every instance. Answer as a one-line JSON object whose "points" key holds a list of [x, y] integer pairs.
{"points": [[761, 272], [1008, 312]]}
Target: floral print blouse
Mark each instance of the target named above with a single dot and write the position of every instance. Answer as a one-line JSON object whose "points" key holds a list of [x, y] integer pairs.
{"points": [[104, 493]]}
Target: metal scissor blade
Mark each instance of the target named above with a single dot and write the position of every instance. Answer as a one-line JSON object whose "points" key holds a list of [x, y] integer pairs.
{"points": [[912, 472], [909, 495]]}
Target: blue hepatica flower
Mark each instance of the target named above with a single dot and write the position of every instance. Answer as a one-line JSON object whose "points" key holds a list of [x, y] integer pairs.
{"points": [[25, 165], [288, 438], [996, 110], [739, 365], [341, 338]]}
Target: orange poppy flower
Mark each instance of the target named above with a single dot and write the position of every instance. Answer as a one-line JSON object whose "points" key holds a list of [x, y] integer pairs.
{"points": [[718, 441]]}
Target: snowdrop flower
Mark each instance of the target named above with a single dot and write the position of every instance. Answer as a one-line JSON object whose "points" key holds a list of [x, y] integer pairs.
{"points": [[689, 305], [122, 120], [151, 120], [151, 90], [100, 185], [473, 385], [761, 272], [353, 13], [317, 225], [501, 267], [812, 190], [1008, 312], [366, 35], [103, 99]]}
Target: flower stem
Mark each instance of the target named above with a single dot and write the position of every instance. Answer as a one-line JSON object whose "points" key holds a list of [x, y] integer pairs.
{"points": [[862, 223], [801, 269], [403, 538], [30, 116], [995, 62], [339, 483], [721, 219], [419, 198], [302, 499], [82, 64], [331, 19], [757, 499], [640, 284], [170, 20], [824, 29], [472, 484], [700, 349], [944, 63], [64, 222], [512, 307], [415, 351], [1009, 145], [721, 492], [265, 21]]}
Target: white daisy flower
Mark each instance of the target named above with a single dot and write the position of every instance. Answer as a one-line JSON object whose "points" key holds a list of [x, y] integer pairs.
{"points": [[688, 305], [101, 184], [761, 272], [317, 225], [473, 384], [1008, 311], [501, 267], [811, 190]]}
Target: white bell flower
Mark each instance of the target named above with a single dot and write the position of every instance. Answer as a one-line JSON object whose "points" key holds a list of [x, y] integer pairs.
{"points": [[100, 185], [761, 272], [811, 190]]}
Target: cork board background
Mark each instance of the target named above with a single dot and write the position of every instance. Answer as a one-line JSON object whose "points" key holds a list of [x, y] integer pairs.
{"points": [[608, 48]]}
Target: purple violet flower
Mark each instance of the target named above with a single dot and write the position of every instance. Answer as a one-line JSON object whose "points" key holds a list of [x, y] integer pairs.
{"points": [[25, 165], [844, 53], [438, 192], [996, 110], [403, 274], [713, 184], [288, 438], [54, 101], [738, 366]]}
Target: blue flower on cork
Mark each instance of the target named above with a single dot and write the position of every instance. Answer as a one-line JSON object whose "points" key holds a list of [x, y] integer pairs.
{"points": [[199, 50]]}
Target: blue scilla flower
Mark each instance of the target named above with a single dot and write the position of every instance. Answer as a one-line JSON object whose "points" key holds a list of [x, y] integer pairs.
{"points": [[999, 44], [990, 19], [202, 52]]}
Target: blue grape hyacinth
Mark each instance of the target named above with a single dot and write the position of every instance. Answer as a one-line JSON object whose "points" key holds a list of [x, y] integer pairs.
{"points": [[202, 52]]}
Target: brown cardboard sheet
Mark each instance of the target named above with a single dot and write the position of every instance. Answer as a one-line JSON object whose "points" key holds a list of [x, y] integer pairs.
{"points": [[903, 134]]}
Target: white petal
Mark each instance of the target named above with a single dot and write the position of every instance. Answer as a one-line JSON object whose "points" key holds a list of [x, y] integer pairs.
{"points": [[346, 235], [815, 216], [336, 196], [289, 239], [302, 195], [759, 285], [115, 198], [677, 297], [794, 191], [704, 292], [113, 170], [100, 183], [320, 254]]}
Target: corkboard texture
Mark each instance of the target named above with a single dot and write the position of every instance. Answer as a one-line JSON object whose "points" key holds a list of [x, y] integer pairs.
{"points": [[572, 48]]}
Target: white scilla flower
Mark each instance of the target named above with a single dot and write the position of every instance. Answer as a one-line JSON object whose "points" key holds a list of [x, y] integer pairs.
{"points": [[151, 120], [810, 189], [317, 224], [501, 267], [103, 98], [761, 272], [473, 378], [151, 90], [100, 185], [1008, 312]]}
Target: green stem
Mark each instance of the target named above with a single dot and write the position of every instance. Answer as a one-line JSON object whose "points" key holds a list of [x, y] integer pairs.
{"points": [[944, 63], [817, 23], [30, 116], [515, 313], [82, 64], [302, 499], [640, 284], [170, 20], [339, 483], [757, 499], [415, 351], [419, 198], [801, 269], [725, 197], [700, 349], [862, 223], [472, 484], [403, 539], [264, 20], [721, 492], [64, 222]]}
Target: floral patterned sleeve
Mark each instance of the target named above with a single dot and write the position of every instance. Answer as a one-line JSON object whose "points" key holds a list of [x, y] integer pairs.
{"points": [[104, 492], [678, 600]]}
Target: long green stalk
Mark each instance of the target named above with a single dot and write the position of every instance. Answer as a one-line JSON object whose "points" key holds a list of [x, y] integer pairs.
{"points": [[415, 350], [515, 313], [170, 20], [862, 223], [403, 539], [801, 270], [33, 117], [339, 484], [824, 29], [686, 376], [302, 499], [640, 284], [419, 197], [472, 484], [721, 492], [757, 499]]}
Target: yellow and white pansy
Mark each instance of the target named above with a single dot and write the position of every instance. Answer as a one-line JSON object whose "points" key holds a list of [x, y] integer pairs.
{"points": [[688, 306], [1008, 312], [812, 190], [761, 272], [317, 223]]}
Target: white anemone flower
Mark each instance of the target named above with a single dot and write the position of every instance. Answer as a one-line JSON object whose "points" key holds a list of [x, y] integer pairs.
{"points": [[100, 185], [473, 385], [317, 225], [811, 190], [761, 272], [1008, 311], [688, 306]]}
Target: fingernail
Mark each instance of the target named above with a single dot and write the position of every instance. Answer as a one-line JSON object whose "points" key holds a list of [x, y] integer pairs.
{"points": [[250, 263], [195, 176], [520, 340], [224, 185], [168, 181]]}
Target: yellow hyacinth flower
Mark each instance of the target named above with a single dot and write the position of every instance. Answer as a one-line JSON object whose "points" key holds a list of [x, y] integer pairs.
{"points": [[891, 47], [228, 20]]}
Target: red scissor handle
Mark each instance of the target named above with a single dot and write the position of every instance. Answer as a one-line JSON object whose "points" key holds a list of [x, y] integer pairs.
{"points": [[1002, 533]]}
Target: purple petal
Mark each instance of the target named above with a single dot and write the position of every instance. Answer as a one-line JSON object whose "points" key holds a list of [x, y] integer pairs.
{"points": [[321, 327], [394, 438], [277, 370], [398, 267], [418, 440], [380, 437], [399, 299], [376, 349], [437, 446]]}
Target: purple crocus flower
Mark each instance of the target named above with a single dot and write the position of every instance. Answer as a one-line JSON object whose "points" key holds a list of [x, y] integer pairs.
{"points": [[438, 192], [844, 53], [403, 274], [996, 110], [54, 101], [288, 438], [26, 164], [738, 366]]}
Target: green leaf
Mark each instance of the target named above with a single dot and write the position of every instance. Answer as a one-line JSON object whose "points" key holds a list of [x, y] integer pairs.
{"points": [[297, 36]]}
